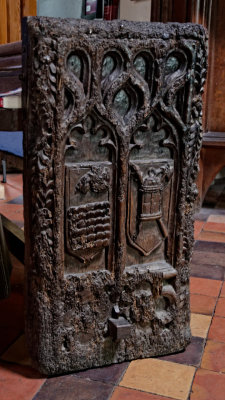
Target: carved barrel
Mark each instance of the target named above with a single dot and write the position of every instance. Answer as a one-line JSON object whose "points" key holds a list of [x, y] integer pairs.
{"points": [[112, 125]]}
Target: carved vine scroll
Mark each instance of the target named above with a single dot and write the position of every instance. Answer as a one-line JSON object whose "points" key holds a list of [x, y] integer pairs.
{"points": [[112, 140]]}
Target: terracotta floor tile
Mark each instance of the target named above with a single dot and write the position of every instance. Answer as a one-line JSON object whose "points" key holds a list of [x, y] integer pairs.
{"points": [[202, 304], [217, 329], [212, 236], [19, 383], [222, 294], [11, 192], [12, 211], [214, 227], [215, 247], [159, 377], [216, 218], [220, 308], [198, 225], [208, 271], [208, 385], [70, 387], [209, 257], [17, 353], [207, 287], [121, 393], [191, 356], [111, 374], [214, 356], [200, 325], [15, 180]]}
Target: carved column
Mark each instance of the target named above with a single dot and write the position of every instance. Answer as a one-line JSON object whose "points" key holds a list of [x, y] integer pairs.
{"points": [[112, 138]]}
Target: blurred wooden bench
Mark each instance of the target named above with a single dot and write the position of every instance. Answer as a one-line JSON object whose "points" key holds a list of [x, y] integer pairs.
{"points": [[10, 79], [10, 74], [212, 160], [11, 237]]}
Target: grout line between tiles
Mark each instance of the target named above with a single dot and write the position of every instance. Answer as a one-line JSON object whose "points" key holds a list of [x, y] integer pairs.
{"points": [[122, 375], [33, 398], [144, 391], [206, 339], [190, 390], [213, 314]]}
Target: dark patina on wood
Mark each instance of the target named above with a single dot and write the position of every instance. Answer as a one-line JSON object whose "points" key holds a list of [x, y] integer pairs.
{"points": [[112, 139]]}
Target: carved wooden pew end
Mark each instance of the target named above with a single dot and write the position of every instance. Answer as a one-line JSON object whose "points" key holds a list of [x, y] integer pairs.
{"points": [[112, 138]]}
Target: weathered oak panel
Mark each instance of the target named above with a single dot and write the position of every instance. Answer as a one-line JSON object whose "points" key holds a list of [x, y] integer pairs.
{"points": [[112, 140]]}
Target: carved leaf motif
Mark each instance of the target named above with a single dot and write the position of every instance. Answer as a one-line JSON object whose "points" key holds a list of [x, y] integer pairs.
{"points": [[97, 180]]}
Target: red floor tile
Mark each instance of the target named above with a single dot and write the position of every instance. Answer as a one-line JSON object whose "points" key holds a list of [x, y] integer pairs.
{"points": [[222, 294], [220, 308], [15, 180], [121, 393], [214, 356], [10, 193], [18, 383], [202, 304], [217, 329], [198, 225], [212, 236], [214, 227], [207, 287], [208, 385], [12, 211]]}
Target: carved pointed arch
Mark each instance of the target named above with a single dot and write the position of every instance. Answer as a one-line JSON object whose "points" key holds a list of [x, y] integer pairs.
{"points": [[90, 186], [153, 183]]}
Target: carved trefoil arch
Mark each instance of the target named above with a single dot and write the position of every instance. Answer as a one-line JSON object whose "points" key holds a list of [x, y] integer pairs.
{"points": [[112, 139]]}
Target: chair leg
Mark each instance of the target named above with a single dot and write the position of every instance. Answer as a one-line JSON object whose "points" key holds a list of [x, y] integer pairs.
{"points": [[4, 171]]}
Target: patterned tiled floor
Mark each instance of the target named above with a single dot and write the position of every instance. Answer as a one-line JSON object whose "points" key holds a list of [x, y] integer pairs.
{"points": [[195, 374]]}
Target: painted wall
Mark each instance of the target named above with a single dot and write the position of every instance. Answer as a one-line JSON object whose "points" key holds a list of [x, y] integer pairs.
{"points": [[135, 10], [59, 8]]}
